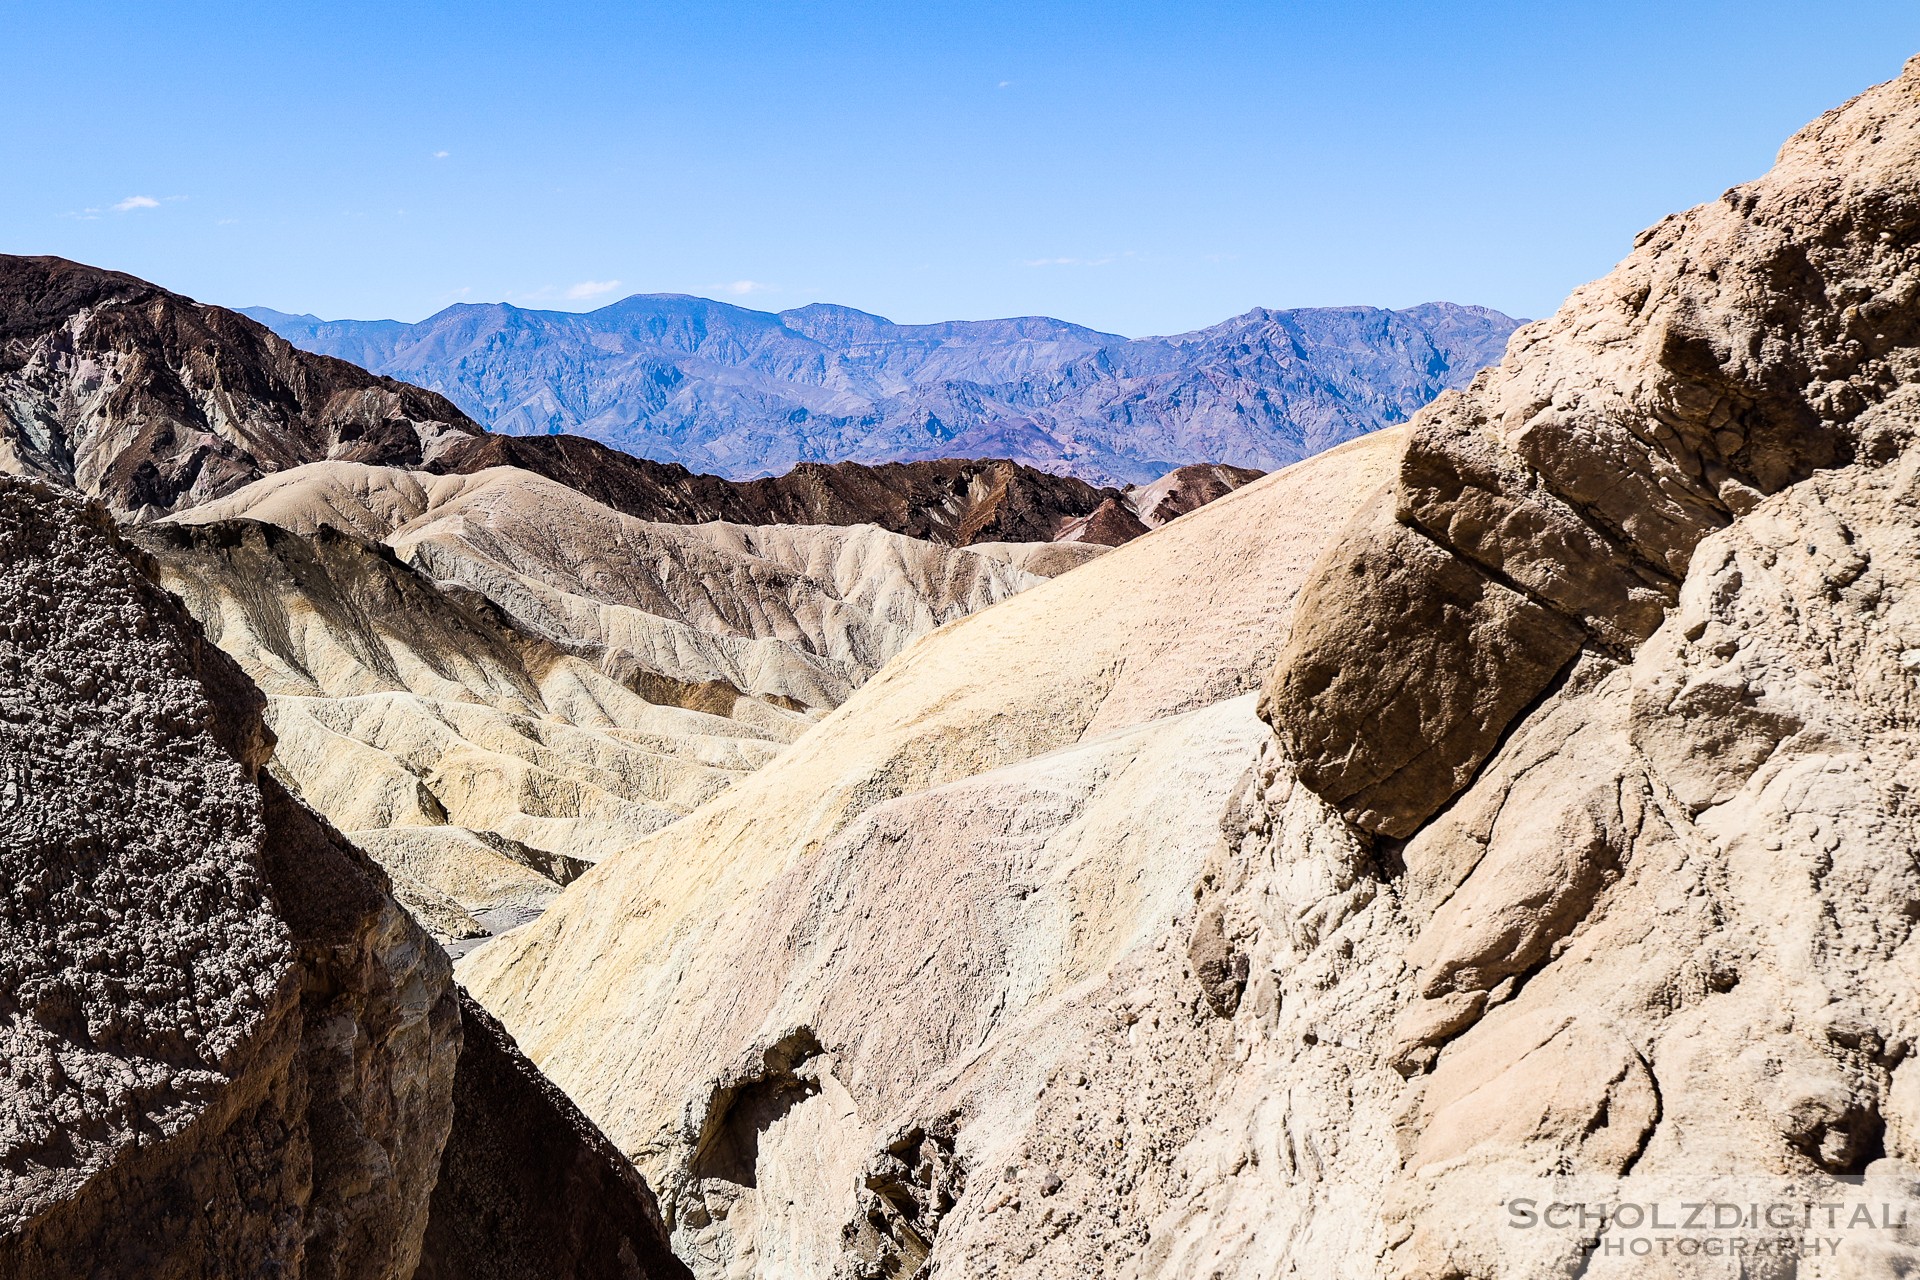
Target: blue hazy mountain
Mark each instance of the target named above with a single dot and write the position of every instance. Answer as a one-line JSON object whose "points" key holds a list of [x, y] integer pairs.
{"points": [[743, 393]]}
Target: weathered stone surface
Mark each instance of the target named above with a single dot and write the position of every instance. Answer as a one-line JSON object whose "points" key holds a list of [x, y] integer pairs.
{"points": [[1403, 669], [1662, 937], [1733, 354], [230, 1052], [968, 886], [1658, 945], [225, 1049]]}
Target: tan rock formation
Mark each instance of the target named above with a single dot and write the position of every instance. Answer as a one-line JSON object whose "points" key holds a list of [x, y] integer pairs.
{"points": [[482, 765], [1658, 945], [1581, 862], [1563, 493], [987, 841], [519, 682]]}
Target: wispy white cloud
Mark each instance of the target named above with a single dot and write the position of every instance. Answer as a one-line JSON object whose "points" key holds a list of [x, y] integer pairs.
{"points": [[1005, 83], [1069, 262], [1106, 261], [136, 202], [591, 289], [441, 155], [741, 288]]}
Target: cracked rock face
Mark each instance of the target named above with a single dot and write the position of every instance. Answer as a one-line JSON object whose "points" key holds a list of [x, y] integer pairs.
{"points": [[1559, 499], [1662, 929]]}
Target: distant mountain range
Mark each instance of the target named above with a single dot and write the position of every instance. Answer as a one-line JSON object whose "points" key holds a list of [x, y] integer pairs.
{"points": [[156, 403], [745, 393]]}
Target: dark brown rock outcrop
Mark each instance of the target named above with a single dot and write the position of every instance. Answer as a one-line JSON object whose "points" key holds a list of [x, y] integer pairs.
{"points": [[153, 402], [225, 1051], [1186, 489], [957, 501], [1110, 524], [1557, 501], [229, 1052], [529, 1189]]}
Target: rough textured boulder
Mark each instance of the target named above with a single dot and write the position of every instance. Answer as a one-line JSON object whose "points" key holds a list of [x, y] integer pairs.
{"points": [[225, 1050], [229, 1052], [1657, 943], [1737, 351]]}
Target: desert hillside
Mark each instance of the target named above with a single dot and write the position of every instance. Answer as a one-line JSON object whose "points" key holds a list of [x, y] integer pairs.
{"points": [[1050, 773], [1578, 847], [490, 681], [433, 854]]}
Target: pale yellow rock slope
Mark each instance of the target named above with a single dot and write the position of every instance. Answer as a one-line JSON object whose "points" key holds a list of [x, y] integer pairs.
{"points": [[1582, 862], [492, 681], [794, 614], [929, 901]]}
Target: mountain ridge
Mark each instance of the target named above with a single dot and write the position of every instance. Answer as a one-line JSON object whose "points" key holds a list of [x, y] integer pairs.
{"points": [[745, 393], [156, 403]]}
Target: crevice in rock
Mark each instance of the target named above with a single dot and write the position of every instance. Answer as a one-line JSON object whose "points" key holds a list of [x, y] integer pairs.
{"points": [[1653, 1125], [728, 1147], [906, 1192]]}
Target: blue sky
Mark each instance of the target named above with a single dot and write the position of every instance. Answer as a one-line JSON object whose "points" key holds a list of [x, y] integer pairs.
{"points": [[1139, 168]]}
